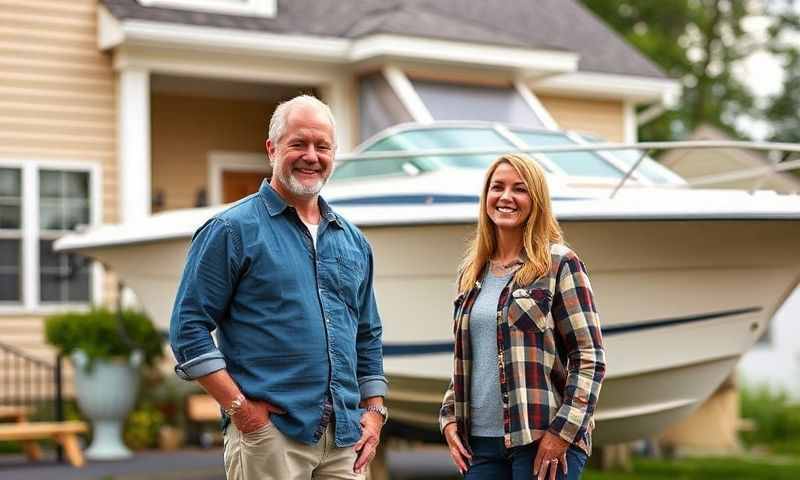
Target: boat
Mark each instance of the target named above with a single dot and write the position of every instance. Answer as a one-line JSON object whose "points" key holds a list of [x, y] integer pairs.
{"points": [[686, 279]]}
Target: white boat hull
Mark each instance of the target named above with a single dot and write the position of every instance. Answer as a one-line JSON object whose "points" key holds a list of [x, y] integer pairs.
{"points": [[680, 302]]}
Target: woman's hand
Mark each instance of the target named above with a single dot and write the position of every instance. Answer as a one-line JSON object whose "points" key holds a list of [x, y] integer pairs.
{"points": [[458, 452], [552, 451]]}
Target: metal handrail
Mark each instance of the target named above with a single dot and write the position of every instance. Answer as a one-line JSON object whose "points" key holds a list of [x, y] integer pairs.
{"points": [[645, 147], [34, 380]]}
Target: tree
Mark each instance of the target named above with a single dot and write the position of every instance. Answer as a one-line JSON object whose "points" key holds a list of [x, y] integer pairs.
{"points": [[697, 42], [783, 110]]}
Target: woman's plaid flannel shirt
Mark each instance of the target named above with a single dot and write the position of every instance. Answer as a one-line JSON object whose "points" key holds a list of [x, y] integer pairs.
{"points": [[551, 356]]}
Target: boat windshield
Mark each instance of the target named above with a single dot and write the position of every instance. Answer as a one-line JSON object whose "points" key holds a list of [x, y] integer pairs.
{"points": [[599, 165], [425, 139], [651, 169]]}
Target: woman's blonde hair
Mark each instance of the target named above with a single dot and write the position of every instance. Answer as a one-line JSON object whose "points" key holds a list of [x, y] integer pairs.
{"points": [[540, 231]]}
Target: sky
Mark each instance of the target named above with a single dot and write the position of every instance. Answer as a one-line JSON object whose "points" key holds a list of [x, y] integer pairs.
{"points": [[762, 73]]}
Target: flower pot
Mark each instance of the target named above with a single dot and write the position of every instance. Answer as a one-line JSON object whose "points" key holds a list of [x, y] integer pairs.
{"points": [[106, 393]]}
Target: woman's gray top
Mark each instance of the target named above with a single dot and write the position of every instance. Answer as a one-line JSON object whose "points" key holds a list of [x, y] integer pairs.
{"points": [[485, 402]]}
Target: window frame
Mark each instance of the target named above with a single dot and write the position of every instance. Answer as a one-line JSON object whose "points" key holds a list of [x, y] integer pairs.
{"points": [[31, 235]]}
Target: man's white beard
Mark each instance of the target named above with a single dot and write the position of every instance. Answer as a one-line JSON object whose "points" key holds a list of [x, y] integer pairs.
{"points": [[297, 188]]}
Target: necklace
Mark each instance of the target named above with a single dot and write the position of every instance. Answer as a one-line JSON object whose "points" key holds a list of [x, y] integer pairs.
{"points": [[504, 268]]}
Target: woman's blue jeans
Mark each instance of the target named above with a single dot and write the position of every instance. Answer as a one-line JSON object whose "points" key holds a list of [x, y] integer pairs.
{"points": [[492, 460]]}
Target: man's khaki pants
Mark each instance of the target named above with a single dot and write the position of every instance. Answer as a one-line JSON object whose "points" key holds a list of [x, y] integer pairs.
{"points": [[267, 454]]}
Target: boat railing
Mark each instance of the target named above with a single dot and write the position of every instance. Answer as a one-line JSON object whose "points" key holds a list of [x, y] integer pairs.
{"points": [[783, 164]]}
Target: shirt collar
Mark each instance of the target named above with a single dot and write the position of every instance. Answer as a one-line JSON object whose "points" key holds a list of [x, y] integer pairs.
{"points": [[277, 205]]}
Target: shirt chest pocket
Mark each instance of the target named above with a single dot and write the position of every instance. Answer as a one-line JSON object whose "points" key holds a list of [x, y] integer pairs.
{"points": [[350, 275], [529, 310]]}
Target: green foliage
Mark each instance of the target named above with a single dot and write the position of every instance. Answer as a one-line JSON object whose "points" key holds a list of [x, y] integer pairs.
{"points": [[733, 468], [142, 426], [104, 334], [697, 42], [776, 420]]}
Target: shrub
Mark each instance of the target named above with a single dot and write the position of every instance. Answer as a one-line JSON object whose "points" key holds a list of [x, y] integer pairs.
{"points": [[104, 334], [142, 426], [776, 420]]}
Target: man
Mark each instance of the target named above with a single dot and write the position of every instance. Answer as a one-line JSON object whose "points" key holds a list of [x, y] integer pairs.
{"points": [[287, 284]]}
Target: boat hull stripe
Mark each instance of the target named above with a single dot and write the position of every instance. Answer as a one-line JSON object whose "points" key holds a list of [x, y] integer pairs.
{"points": [[403, 349]]}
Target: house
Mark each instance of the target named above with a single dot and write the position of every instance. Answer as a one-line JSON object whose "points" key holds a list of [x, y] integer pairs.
{"points": [[117, 109]]}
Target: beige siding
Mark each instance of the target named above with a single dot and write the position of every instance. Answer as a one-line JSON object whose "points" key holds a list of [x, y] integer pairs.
{"points": [[185, 129], [57, 88], [605, 118], [56, 104]]}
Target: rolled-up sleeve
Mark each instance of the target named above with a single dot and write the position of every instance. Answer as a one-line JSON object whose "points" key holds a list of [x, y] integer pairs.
{"points": [[578, 325], [201, 303], [371, 380]]}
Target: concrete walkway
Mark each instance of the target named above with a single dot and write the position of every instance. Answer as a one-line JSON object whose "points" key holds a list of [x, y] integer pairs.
{"points": [[196, 464]]}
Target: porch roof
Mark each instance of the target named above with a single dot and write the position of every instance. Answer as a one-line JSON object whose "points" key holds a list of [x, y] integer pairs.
{"points": [[557, 25]]}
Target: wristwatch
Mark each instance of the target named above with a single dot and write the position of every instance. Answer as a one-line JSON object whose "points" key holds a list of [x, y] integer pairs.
{"points": [[235, 406], [379, 409]]}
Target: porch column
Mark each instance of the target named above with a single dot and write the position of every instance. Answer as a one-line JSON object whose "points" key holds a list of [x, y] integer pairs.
{"points": [[133, 143], [340, 96]]}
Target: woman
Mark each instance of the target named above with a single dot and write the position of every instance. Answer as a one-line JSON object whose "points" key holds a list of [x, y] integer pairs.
{"points": [[529, 358]]}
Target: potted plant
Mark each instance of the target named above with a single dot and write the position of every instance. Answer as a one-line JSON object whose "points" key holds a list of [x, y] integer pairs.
{"points": [[106, 348]]}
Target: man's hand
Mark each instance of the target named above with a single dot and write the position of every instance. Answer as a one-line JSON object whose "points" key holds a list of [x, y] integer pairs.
{"points": [[254, 414], [371, 425], [458, 453], [552, 451]]}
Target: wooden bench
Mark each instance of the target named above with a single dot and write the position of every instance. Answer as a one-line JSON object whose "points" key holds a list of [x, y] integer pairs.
{"points": [[202, 409], [65, 433], [14, 413]]}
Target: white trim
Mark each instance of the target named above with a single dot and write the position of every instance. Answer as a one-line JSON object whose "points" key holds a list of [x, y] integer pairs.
{"points": [[31, 233], [30, 236], [631, 127], [133, 144], [109, 29], [256, 8], [405, 91], [232, 41], [530, 62], [610, 86], [220, 161], [538, 109]]}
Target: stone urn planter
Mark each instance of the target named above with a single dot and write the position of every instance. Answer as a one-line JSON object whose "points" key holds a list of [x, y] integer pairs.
{"points": [[107, 349], [106, 392]]}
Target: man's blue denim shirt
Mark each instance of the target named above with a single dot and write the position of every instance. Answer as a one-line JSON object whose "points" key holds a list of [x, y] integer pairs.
{"points": [[293, 322]]}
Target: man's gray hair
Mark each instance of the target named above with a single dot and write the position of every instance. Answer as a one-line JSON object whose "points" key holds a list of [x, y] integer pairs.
{"points": [[277, 124]]}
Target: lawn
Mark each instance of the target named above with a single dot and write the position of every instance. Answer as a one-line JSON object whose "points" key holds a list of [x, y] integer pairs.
{"points": [[730, 468]]}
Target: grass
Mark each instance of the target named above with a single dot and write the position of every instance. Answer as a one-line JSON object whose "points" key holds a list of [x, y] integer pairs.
{"points": [[719, 468], [729, 468]]}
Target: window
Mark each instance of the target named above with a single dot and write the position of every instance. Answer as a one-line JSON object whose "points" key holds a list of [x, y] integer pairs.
{"points": [[10, 235], [40, 202], [450, 101], [256, 8], [583, 164], [63, 205]]}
